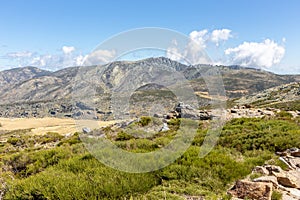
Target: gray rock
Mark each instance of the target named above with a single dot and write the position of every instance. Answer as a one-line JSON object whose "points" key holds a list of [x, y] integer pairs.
{"points": [[86, 130]]}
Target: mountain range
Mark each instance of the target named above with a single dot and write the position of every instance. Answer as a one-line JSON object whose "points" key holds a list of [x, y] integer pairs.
{"points": [[29, 85]]}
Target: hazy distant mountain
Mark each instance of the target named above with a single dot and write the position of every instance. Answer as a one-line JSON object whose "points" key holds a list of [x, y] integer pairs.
{"points": [[18, 75]]}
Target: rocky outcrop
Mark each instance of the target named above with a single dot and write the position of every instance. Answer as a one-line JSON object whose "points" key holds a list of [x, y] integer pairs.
{"points": [[183, 110], [286, 182]]}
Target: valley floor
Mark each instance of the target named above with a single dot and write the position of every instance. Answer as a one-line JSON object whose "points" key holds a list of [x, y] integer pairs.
{"points": [[49, 124]]}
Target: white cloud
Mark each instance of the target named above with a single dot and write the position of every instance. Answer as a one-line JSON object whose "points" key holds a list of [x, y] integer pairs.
{"points": [[194, 51], [68, 49], [219, 35], [66, 58], [199, 38], [99, 57], [264, 54]]}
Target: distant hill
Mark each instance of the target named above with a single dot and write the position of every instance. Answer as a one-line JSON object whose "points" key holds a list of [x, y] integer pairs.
{"points": [[18, 75], [286, 97]]}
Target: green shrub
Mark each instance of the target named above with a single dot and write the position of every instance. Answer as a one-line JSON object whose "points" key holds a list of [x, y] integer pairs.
{"points": [[276, 195], [49, 137], [74, 139], [78, 178], [14, 141], [68, 171], [122, 136], [284, 115], [144, 121], [259, 134]]}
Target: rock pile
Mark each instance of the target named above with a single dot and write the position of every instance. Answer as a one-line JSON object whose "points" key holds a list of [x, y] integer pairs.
{"points": [[273, 178]]}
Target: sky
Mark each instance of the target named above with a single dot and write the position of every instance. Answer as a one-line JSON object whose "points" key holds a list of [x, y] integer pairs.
{"points": [[56, 34]]}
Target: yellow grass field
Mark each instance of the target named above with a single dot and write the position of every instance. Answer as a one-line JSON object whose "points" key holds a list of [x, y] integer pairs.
{"points": [[48, 124]]}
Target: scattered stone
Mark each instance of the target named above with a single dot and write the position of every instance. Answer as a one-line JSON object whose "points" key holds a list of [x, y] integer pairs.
{"points": [[233, 111], [88, 112], [52, 112]]}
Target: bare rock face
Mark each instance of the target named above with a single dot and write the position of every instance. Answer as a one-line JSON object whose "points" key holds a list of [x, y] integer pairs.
{"points": [[252, 190]]}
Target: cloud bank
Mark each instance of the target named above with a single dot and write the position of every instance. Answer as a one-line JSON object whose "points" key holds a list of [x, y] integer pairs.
{"points": [[252, 54]]}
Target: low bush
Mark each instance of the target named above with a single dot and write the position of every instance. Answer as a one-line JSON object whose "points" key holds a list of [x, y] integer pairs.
{"points": [[259, 134], [144, 121], [14, 141], [122, 136]]}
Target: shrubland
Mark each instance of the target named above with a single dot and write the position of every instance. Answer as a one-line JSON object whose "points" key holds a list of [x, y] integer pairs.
{"points": [[61, 167]]}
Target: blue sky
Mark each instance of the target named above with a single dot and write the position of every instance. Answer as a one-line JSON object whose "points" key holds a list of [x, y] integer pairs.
{"points": [[36, 29]]}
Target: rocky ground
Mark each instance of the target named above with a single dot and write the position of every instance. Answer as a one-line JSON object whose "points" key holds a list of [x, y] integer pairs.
{"points": [[272, 180]]}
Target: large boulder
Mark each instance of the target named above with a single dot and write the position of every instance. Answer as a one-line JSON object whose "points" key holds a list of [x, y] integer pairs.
{"points": [[187, 111], [251, 190], [289, 178]]}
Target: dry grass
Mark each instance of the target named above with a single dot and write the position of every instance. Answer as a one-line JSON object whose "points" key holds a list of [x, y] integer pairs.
{"points": [[48, 124]]}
